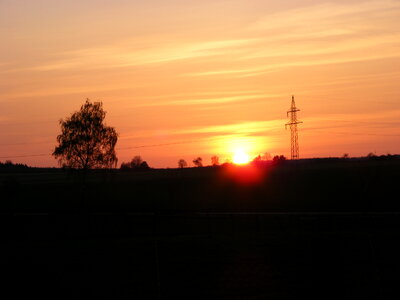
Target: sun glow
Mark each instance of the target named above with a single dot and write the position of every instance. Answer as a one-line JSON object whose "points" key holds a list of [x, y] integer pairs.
{"points": [[241, 157]]}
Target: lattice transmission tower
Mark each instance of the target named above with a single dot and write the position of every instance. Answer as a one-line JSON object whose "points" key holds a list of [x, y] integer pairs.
{"points": [[294, 137]]}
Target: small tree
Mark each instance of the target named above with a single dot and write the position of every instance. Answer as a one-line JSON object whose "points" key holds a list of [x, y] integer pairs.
{"points": [[198, 162], [215, 160], [85, 141], [182, 163]]}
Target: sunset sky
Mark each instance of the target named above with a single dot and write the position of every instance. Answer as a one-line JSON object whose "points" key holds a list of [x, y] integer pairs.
{"points": [[183, 78]]}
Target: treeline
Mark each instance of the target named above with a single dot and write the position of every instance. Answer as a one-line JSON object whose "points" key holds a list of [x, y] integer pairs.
{"points": [[373, 156], [215, 162], [9, 165], [138, 164]]}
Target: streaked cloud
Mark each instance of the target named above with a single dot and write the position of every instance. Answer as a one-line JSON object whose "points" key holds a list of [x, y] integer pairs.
{"points": [[326, 33], [250, 72], [208, 101], [236, 128], [128, 56], [323, 13]]}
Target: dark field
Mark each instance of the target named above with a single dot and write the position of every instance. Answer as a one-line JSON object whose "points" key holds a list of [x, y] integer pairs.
{"points": [[316, 229]]}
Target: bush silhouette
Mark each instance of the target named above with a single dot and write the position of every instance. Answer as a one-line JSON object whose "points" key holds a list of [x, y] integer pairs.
{"points": [[137, 163], [279, 159]]}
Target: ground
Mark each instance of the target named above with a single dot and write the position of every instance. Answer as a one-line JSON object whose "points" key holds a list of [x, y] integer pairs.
{"points": [[315, 229]]}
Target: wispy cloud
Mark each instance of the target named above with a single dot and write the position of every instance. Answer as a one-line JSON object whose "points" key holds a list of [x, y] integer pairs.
{"points": [[384, 123], [319, 34], [128, 54], [322, 16], [276, 66], [236, 128], [213, 100]]}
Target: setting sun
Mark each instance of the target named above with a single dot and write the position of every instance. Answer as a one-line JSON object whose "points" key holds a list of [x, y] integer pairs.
{"points": [[241, 158]]}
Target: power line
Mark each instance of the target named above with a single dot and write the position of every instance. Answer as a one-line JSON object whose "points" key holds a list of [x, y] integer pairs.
{"points": [[193, 141], [25, 155], [124, 148], [351, 133], [25, 143], [156, 145]]}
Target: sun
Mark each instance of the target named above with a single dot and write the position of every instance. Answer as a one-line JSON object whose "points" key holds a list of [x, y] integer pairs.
{"points": [[241, 158]]}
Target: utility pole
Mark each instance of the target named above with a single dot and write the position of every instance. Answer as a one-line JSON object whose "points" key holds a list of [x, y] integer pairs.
{"points": [[294, 137]]}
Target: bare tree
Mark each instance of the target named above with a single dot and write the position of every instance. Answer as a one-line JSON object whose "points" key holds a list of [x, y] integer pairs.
{"points": [[85, 141], [198, 162], [182, 163]]}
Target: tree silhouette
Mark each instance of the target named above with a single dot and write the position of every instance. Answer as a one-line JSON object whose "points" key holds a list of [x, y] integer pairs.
{"points": [[85, 141], [215, 160], [137, 163], [198, 162], [144, 166], [279, 159], [182, 163], [257, 159], [8, 164], [267, 156]]}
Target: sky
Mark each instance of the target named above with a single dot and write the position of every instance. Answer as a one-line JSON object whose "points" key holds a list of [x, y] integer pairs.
{"points": [[182, 78]]}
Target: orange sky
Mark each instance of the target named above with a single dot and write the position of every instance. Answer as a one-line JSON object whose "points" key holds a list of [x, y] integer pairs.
{"points": [[207, 77]]}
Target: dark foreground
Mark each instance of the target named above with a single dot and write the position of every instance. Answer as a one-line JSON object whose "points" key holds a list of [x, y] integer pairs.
{"points": [[197, 235]]}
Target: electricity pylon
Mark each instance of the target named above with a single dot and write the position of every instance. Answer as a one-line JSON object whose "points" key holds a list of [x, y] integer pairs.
{"points": [[294, 137]]}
